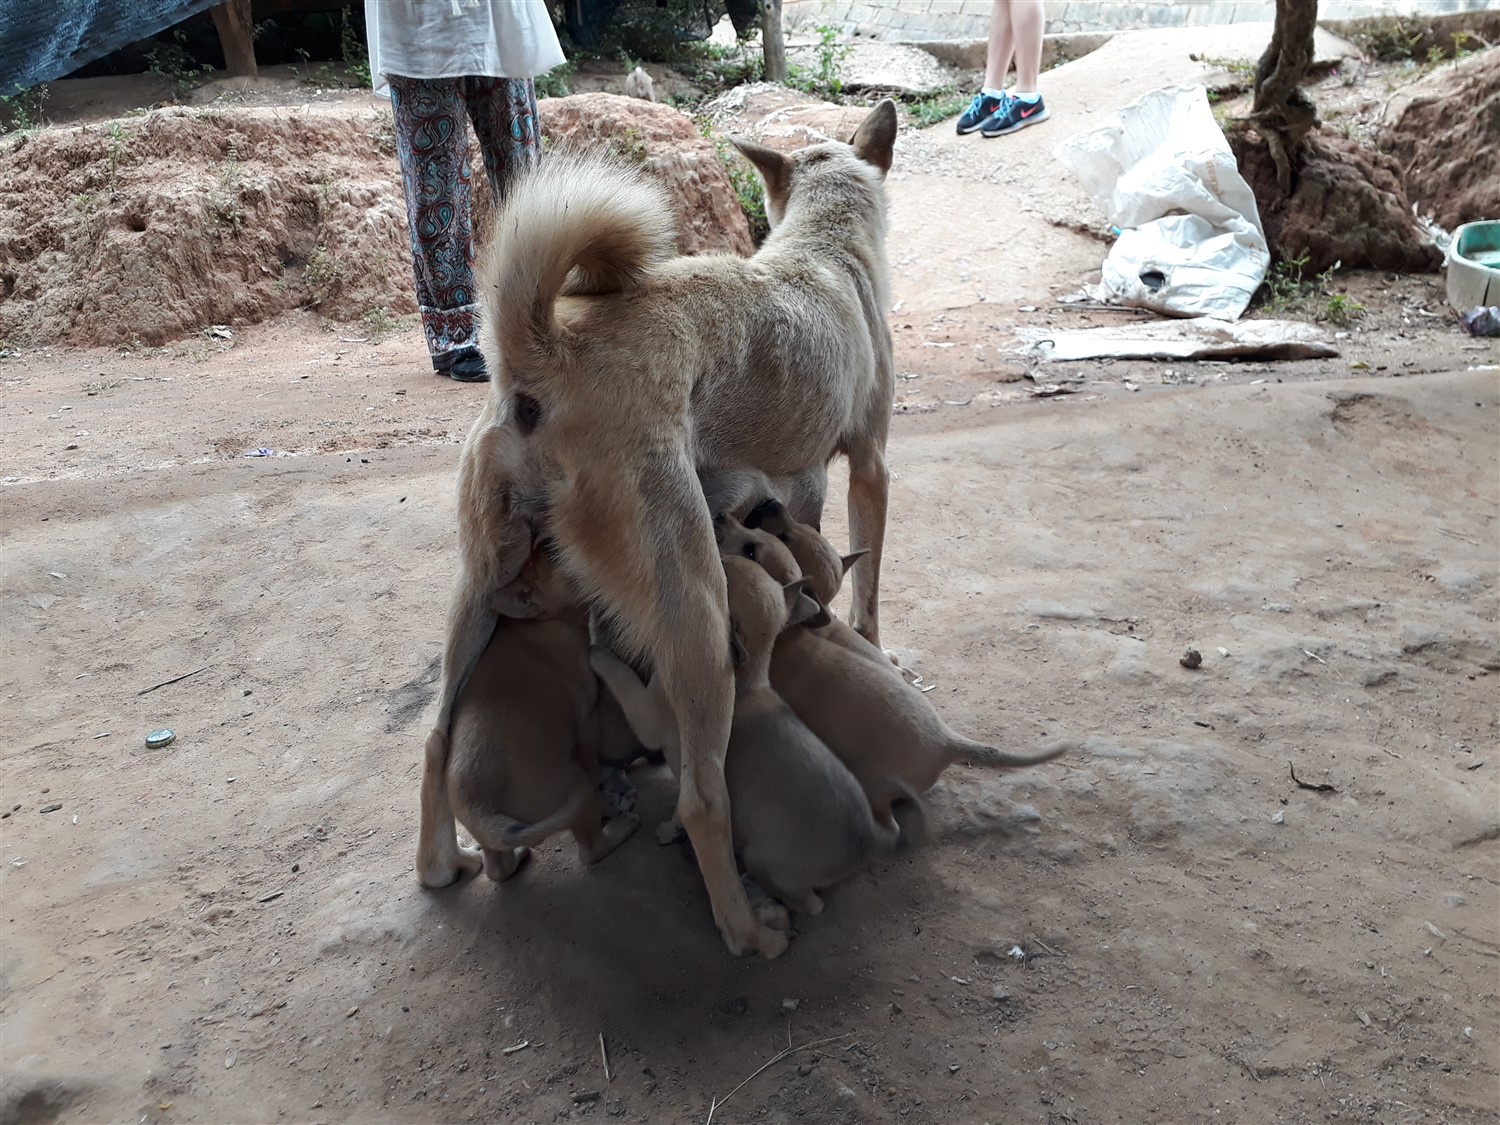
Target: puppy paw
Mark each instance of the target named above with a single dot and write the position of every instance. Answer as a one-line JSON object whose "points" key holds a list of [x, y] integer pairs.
{"points": [[501, 863], [771, 943], [621, 828], [769, 912], [447, 870]]}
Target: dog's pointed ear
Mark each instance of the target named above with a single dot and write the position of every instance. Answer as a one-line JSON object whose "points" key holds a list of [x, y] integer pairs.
{"points": [[853, 557], [773, 167], [875, 140], [802, 607], [738, 654]]}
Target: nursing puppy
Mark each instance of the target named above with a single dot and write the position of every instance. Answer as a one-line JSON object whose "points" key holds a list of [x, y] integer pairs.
{"points": [[630, 369], [524, 743], [801, 821], [857, 702], [500, 478]]}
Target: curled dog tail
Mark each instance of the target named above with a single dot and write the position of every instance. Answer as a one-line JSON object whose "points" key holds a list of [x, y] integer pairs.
{"points": [[962, 749], [573, 225], [517, 835]]}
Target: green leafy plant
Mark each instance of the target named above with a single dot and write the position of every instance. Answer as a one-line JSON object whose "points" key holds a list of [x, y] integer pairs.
{"points": [[324, 274], [823, 78], [935, 108], [554, 84], [745, 182], [379, 323], [223, 202], [1290, 290], [115, 148], [174, 64], [21, 109], [353, 50]]}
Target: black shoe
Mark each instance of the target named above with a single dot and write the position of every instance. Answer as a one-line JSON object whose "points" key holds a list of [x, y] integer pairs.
{"points": [[464, 365], [980, 110], [1014, 115]]}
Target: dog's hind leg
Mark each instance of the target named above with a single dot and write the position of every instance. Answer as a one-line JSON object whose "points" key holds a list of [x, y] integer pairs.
{"points": [[440, 860], [869, 489]]}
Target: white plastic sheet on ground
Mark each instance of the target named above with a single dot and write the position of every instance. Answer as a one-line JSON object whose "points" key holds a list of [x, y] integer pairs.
{"points": [[1190, 240]]}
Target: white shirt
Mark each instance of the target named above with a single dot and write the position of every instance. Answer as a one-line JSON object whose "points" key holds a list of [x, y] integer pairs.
{"points": [[454, 38]]}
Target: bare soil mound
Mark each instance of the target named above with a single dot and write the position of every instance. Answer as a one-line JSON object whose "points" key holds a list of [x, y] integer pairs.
{"points": [[1348, 205], [1447, 138], [151, 228], [664, 140]]}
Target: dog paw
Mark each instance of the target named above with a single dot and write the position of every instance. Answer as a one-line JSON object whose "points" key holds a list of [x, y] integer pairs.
{"points": [[769, 912], [449, 870]]}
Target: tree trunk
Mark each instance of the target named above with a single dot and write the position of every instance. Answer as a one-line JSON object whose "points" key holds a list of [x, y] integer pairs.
{"points": [[236, 36], [772, 41], [1282, 113]]}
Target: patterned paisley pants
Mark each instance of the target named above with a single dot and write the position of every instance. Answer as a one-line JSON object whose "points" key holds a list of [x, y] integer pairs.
{"points": [[432, 144]]}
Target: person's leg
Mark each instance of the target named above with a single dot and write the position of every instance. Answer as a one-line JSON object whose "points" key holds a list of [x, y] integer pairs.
{"points": [[991, 98], [1022, 106], [1027, 22], [1002, 46], [432, 145], [505, 121]]}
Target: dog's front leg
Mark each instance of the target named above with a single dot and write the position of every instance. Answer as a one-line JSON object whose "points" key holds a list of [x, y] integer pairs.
{"points": [[869, 490]]}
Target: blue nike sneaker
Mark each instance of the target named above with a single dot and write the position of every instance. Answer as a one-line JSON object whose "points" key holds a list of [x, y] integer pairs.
{"points": [[980, 110], [1014, 114]]}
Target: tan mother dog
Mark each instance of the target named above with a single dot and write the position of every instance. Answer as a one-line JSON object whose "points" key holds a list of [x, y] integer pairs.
{"points": [[630, 369]]}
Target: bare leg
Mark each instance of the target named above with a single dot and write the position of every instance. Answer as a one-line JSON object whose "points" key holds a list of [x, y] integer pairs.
{"points": [[1001, 48], [1027, 22]]}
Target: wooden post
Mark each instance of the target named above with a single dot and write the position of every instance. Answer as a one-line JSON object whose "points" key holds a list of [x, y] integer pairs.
{"points": [[772, 41], [236, 36]]}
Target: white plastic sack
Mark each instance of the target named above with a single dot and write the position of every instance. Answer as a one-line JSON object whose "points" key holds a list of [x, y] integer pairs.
{"points": [[1190, 240]]}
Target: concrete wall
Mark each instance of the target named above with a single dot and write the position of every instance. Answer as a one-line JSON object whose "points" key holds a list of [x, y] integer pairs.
{"points": [[963, 19]]}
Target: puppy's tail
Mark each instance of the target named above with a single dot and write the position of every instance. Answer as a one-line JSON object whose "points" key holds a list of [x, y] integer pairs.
{"points": [[962, 749], [575, 225], [517, 835], [910, 813]]}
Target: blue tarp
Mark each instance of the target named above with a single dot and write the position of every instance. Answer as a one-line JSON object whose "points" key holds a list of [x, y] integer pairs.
{"points": [[42, 40]]}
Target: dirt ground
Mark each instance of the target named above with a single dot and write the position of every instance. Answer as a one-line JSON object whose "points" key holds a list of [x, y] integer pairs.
{"points": [[229, 929]]}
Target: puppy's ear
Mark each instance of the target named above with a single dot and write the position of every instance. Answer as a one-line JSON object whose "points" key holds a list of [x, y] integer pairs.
{"points": [[875, 140], [738, 654], [850, 559], [802, 607], [769, 515], [515, 601], [774, 168]]}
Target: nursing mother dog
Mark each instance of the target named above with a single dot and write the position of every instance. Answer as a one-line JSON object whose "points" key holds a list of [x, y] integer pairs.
{"points": [[623, 370]]}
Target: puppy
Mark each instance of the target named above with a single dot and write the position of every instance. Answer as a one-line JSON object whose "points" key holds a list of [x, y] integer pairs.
{"points": [[855, 700], [524, 744], [630, 369], [638, 84], [500, 480], [801, 821]]}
